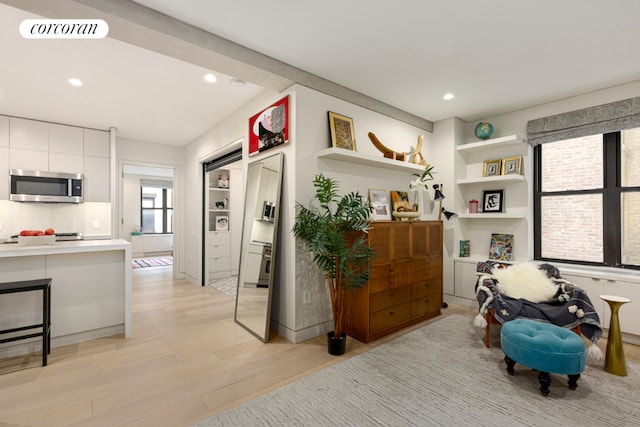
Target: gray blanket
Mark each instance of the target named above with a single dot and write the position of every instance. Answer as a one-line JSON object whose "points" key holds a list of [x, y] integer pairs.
{"points": [[569, 308]]}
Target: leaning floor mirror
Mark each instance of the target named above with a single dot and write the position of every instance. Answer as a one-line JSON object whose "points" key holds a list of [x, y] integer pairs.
{"points": [[259, 245]]}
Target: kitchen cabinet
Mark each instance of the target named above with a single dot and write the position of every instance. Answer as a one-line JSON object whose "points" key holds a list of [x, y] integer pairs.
{"points": [[96, 143], [4, 173], [96, 179], [66, 163], [4, 131], [65, 139], [405, 281], [28, 159], [28, 134]]}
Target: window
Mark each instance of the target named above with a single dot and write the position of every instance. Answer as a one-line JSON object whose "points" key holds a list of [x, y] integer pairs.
{"points": [[587, 199], [156, 210]]}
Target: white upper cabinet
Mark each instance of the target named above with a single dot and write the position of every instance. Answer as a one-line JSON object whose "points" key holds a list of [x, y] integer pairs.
{"points": [[28, 134], [4, 131], [96, 143], [65, 139]]}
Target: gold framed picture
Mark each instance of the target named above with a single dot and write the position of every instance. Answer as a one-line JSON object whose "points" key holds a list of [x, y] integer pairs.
{"points": [[491, 167], [512, 165], [342, 133]]}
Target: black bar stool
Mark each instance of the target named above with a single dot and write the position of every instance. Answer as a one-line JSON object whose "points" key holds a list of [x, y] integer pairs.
{"points": [[43, 285]]}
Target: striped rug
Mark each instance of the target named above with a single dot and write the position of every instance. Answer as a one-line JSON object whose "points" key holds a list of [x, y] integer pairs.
{"points": [[151, 262]]}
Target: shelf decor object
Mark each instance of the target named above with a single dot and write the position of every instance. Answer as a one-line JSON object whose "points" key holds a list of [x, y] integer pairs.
{"points": [[491, 167], [614, 362], [512, 165], [342, 131], [493, 201], [483, 130], [380, 209], [501, 247]]}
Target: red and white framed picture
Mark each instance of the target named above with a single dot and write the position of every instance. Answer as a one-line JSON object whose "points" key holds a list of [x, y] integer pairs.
{"points": [[270, 127]]}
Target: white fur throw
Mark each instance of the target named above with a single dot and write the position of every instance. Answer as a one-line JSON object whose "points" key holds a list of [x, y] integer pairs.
{"points": [[525, 281]]}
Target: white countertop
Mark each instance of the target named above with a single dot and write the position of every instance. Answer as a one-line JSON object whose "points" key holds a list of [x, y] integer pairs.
{"points": [[13, 249]]}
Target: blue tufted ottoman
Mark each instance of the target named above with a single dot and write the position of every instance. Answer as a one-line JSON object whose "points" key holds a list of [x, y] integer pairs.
{"points": [[544, 347]]}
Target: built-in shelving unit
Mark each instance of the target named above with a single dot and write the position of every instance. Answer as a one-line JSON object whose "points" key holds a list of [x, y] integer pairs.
{"points": [[218, 209], [478, 227], [367, 159], [502, 142]]}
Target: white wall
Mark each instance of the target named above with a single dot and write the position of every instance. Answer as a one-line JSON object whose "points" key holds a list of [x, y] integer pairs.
{"points": [[300, 321]]}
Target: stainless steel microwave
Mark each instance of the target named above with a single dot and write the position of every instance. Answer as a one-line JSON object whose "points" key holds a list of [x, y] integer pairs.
{"points": [[38, 186]]}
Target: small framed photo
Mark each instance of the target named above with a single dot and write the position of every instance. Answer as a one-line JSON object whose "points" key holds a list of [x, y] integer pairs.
{"points": [[512, 165], [493, 201], [379, 204], [491, 167], [342, 133], [222, 223]]}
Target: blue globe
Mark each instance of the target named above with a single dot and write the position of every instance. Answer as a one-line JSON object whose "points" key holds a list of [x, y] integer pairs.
{"points": [[483, 130]]}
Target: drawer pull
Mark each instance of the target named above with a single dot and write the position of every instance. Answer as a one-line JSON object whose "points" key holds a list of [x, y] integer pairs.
{"points": [[391, 313]]}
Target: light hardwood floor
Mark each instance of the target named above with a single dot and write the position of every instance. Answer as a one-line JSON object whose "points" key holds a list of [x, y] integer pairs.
{"points": [[187, 361]]}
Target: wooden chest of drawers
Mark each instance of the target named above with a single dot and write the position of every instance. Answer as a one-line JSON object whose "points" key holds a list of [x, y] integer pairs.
{"points": [[405, 282]]}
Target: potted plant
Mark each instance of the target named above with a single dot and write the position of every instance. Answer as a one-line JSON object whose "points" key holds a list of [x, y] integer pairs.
{"points": [[334, 230]]}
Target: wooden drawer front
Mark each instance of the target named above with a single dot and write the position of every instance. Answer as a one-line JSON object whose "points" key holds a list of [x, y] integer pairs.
{"points": [[419, 246], [426, 305], [426, 288], [388, 318], [386, 299], [420, 269], [401, 242], [435, 266], [389, 276], [379, 239]]}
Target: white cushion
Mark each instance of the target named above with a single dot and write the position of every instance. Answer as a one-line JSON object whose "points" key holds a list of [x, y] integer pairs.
{"points": [[525, 281]]}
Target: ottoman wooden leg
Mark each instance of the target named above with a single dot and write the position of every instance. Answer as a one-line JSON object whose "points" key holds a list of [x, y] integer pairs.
{"points": [[545, 381], [510, 364], [573, 381]]}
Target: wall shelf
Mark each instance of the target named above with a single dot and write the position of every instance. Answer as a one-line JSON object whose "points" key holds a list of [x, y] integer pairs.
{"points": [[367, 159], [491, 216], [505, 141], [489, 179]]}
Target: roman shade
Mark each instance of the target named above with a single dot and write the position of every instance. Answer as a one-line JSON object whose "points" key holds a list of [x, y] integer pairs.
{"points": [[604, 118], [156, 183]]}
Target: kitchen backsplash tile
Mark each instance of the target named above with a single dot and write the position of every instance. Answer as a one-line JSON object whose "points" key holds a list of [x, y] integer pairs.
{"points": [[66, 218]]}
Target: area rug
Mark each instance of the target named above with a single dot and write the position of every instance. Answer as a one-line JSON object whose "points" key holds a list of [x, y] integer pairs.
{"points": [[227, 285], [441, 374], [151, 262]]}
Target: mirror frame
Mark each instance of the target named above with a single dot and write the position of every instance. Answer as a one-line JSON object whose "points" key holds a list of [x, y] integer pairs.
{"points": [[263, 335]]}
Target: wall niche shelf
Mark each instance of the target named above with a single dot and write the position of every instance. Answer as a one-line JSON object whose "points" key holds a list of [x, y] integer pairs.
{"points": [[502, 142], [491, 216], [367, 159], [489, 179]]}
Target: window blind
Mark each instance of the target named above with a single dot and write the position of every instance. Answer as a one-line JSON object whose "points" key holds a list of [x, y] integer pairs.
{"points": [[603, 118]]}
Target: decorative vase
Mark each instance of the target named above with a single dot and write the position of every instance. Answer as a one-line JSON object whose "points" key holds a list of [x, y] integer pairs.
{"points": [[483, 130], [336, 346]]}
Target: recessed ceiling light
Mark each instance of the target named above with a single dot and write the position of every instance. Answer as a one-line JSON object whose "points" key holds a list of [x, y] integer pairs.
{"points": [[238, 82], [75, 82], [448, 96], [210, 78]]}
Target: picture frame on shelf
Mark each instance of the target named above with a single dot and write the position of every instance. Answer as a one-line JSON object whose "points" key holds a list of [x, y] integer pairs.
{"points": [[222, 223], [512, 165], [342, 131], [501, 247], [491, 167], [399, 202], [380, 209], [493, 201]]}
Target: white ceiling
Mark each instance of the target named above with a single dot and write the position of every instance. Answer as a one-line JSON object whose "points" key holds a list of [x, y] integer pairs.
{"points": [[494, 55]]}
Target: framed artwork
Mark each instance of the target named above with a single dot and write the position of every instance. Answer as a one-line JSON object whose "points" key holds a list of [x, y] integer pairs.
{"points": [[501, 247], [399, 201], [491, 167], [493, 201], [270, 127], [341, 129], [222, 223], [512, 165], [379, 204]]}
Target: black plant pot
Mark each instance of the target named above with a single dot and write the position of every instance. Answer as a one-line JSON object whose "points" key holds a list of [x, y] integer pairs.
{"points": [[336, 346]]}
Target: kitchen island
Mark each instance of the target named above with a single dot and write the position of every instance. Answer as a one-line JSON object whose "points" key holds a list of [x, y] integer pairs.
{"points": [[90, 291]]}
